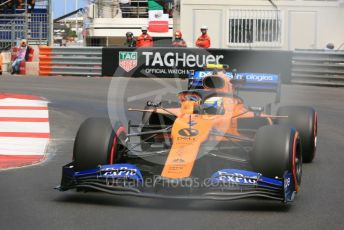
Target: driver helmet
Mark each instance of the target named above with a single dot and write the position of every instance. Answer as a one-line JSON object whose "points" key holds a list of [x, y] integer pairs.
{"points": [[213, 105]]}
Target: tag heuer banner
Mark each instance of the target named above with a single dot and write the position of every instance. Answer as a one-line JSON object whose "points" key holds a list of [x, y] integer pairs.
{"points": [[179, 62]]}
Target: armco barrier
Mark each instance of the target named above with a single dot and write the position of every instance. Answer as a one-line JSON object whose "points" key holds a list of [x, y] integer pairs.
{"points": [[177, 62], [73, 61], [318, 67]]}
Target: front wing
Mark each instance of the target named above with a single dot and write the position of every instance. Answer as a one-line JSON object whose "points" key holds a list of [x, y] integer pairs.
{"points": [[226, 184]]}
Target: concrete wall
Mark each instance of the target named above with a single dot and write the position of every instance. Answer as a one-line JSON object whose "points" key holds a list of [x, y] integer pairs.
{"points": [[306, 24]]}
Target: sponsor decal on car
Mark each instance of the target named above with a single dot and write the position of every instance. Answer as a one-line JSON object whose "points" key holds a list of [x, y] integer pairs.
{"points": [[186, 140], [179, 161], [126, 171], [187, 132], [234, 176], [128, 60], [289, 191], [250, 77]]}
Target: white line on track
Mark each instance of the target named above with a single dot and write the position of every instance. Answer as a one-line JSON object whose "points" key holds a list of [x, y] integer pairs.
{"points": [[25, 113], [21, 102], [23, 146], [24, 127]]}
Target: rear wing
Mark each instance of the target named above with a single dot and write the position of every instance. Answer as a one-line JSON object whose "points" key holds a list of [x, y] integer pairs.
{"points": [[259, 89]]}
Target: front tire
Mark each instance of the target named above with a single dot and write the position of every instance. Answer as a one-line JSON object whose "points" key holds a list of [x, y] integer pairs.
{"points": [[97, 143], [277, 149]]}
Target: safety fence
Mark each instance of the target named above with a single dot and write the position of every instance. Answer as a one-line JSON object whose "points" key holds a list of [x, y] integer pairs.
{"points": [[78, 61], [318, 67], [33, 27]]}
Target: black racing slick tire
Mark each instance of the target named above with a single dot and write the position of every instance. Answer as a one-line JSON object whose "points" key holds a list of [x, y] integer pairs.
{"points": [[304, 120], [276, 150], [98, 143]]}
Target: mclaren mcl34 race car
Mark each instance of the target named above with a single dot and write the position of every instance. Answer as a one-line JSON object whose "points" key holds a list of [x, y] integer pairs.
{"points": [[211, 144]]}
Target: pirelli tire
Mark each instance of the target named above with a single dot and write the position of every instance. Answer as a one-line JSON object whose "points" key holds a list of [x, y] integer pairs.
{"points": [[99, 143], [277, 149], [150, 119], [304, 120]]}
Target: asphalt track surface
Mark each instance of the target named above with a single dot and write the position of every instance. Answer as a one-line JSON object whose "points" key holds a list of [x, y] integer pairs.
{"points": [[28, 201]]}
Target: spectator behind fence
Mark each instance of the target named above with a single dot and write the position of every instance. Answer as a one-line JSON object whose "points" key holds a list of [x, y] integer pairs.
{"points": [[9, 7], [168, 7], [203, 41], [22, 55], [13, 5], [31, 5], [178, 41], [125, 8], [130, 40], [19, 4], [144, 40]]}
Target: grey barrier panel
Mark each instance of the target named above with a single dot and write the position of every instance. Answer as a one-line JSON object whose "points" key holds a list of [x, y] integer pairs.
{"points": [[318, 67], [76, 61]]}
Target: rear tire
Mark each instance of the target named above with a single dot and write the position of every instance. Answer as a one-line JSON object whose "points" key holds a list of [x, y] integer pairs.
{"points": [[304, 120], [97, 143], [277, 149]]}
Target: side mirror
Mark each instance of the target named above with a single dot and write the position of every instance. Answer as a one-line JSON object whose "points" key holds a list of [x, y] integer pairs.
{"points": [[191, 73], [257, 110]]}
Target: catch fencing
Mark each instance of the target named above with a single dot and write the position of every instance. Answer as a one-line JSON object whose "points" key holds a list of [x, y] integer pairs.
{"points": [[35, 27], [73, 61]]}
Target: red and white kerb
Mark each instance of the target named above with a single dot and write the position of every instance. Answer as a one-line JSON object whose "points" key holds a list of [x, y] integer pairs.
{"points": [[24, 130]]}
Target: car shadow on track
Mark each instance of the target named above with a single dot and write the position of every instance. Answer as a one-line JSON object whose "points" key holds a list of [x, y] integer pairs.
{"points": [[258, 205]]}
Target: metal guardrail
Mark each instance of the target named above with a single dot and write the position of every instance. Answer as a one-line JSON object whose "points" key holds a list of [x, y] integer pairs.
{"points": [[318, 67], [78, 61]]}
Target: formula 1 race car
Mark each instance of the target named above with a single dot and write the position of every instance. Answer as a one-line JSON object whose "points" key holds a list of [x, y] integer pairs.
{"points": [[208, 145]]}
